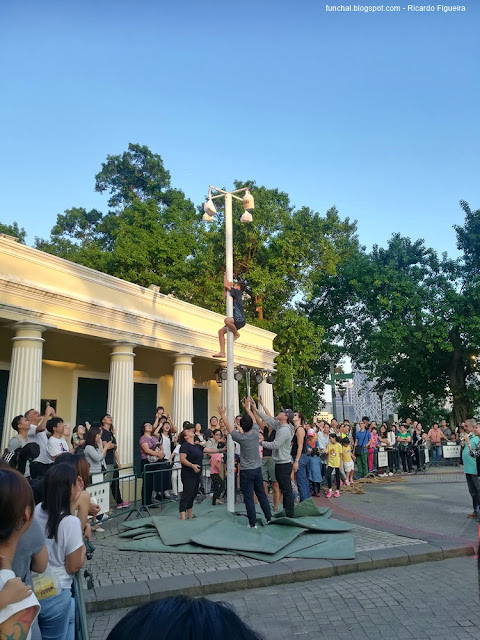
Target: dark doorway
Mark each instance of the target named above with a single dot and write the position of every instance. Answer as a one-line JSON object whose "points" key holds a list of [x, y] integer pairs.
{"points": [[200, 407], [92, 398]]}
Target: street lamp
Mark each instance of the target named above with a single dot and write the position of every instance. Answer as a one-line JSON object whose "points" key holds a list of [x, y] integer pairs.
{"points": [[209, 213], [342, 391], [380, 394]]}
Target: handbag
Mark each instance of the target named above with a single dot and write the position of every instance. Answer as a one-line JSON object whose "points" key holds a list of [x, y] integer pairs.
{"points": [[45, 585], [153, 459]]}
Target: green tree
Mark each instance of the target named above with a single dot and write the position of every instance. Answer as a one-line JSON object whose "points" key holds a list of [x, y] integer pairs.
{"points": [[13, 230], [409, 317], [137, 174]]}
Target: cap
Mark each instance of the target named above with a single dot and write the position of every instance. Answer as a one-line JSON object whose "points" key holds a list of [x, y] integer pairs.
{"points": [[311, 432], [289, 414]]}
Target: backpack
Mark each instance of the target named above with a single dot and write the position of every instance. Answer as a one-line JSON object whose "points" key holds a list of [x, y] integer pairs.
{"points": [[8, 455]]}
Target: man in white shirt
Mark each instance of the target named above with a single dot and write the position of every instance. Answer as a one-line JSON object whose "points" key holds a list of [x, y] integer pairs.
{"points": [[56, 443], [36, 433]]}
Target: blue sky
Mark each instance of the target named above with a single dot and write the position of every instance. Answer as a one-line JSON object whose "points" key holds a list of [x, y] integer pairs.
{"points": [[376, 114]]}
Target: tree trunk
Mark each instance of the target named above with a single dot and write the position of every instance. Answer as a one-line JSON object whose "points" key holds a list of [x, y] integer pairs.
{"points": [[259, 307], [461, 404]]}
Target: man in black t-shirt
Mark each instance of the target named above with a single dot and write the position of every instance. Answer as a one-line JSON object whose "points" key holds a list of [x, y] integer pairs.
{"points": [[111, 461], [238, 321]]}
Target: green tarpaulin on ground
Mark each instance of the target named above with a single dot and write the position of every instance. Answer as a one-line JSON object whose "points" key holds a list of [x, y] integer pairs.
{"points": [[215, 530]]}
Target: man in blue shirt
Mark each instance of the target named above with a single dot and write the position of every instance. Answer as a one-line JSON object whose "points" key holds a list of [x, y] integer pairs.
{"points": [[362, 442], [470, 464]]}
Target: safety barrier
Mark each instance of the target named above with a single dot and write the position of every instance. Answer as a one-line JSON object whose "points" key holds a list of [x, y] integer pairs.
{"points": [[162, 483], [113, 488], [81, 624]]}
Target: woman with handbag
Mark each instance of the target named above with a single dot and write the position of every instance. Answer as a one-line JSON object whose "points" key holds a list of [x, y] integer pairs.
{"points": [[151, 453], [66, 550]]}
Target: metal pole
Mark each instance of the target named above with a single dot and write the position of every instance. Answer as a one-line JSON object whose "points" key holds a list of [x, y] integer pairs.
{"points": [[332, 383], [230, 363], [247, 376], [293, 390]]}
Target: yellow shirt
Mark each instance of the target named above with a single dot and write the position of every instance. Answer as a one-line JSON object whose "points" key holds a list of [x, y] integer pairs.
{"points": [[347, 453], [334, 453]]}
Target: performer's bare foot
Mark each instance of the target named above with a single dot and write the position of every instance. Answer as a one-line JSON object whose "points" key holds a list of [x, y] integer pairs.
{"points": [[236, 337], [219, 355]]}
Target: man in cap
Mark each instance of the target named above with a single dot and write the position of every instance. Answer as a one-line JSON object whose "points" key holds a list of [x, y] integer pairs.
{"points": [[283, 426]]}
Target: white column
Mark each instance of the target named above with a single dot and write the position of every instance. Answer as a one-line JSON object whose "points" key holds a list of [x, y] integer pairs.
{"points": [[120, 398], [25, 379], [236, 400], [266, 391], [182, 396]]}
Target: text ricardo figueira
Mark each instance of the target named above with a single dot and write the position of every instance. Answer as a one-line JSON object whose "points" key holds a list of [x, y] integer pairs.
{"points": [[441, 8]]}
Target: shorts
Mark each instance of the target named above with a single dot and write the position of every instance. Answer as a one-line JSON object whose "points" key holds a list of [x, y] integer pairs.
{"points": [[348, 466], [239, 322], [268, 469]]}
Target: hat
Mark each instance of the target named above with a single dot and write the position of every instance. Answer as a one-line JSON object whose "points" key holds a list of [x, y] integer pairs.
{"points": [[289, 414], [311, 432]]}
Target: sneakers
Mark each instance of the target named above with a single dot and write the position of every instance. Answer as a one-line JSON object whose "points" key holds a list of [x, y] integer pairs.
{"points": [[250, 526], [336, 494], [390, 473], [123, 505], [98, 529], [329, 493]]}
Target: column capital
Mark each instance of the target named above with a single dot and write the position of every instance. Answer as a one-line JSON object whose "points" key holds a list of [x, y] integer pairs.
{"points": [[183, 358], [122, 348], [27, 330]]}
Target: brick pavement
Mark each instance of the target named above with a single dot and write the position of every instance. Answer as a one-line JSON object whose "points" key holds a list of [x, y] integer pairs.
{"points": [[432, 601], [111, 566]]}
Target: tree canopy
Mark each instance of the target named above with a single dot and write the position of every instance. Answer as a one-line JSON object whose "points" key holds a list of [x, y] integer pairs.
{"points": [[403, 313], [409, 317]]}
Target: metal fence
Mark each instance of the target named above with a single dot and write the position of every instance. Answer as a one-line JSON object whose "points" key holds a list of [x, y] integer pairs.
{"points": [[108, 488], [81, 624]]}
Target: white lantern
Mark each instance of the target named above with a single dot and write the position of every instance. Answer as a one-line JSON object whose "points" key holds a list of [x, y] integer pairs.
{"points": [[246, 217], [248, 201]]}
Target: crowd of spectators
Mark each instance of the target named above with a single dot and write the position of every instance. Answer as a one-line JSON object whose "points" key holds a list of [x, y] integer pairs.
{"points": [[47, 513]]}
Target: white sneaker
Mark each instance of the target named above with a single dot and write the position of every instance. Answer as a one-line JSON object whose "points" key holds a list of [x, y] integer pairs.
{"points": [[250, 526], [98, 529], [390, 473]]}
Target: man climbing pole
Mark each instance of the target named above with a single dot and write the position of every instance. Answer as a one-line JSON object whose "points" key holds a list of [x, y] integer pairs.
{"points": [[238, 321]]}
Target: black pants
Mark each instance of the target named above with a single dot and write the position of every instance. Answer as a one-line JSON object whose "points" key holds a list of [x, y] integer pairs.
{"points": [[406, 459], [282, 474], [191, 482], [155, 481], [330, 470], [38, 469], [473, 483], [218, 486], [251, 482], [112, 475]]}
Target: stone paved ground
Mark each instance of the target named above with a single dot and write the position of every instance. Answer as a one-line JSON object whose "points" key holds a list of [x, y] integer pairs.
{"points": [[432, 601], [111, 566], [435, 502]]}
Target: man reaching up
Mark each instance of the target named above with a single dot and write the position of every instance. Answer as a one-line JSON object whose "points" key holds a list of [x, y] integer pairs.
{"points": [[238, 321]]}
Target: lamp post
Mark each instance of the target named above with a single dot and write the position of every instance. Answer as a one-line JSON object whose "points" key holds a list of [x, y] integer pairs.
{"points": [[380, 394], [342, 391], [210, 211]]}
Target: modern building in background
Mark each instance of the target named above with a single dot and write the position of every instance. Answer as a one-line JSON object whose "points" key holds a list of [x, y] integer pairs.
{"points": [[361, 400]]}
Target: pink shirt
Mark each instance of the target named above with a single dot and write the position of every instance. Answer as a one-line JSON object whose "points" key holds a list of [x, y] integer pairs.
{"points": [[373, 440], [151, 441], [216, 463]]}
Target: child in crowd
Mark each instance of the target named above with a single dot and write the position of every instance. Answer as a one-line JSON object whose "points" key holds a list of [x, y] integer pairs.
{"points": [[314, 464], [348, 461], [371, 448], [217, 476], [334, 452]]}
